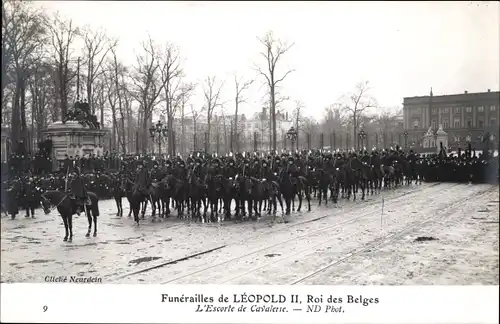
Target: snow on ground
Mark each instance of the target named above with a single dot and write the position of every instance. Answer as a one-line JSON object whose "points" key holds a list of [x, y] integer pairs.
{"points": [[353, 243]]}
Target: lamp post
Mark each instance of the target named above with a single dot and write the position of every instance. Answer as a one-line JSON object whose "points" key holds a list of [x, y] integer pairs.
{"points": [[292, 135], [362, 137], [158, 131], [405, 135]]}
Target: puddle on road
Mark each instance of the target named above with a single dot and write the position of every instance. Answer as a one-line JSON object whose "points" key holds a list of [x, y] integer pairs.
{"points": [[40, 261], [82, 263], [425, 238], [272, 255], [144, 259]]}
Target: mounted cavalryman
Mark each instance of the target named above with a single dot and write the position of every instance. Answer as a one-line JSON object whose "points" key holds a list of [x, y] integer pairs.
{"points": [[78, 190]]}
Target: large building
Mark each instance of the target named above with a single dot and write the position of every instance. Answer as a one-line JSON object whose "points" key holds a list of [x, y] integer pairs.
{"points": [[465, 116]]}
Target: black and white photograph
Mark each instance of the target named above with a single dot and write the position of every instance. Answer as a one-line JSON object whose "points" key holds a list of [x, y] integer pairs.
{"points": [[250, 143]]}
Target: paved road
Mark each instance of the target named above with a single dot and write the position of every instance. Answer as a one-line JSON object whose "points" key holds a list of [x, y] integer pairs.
{"points": [[353, 243]]}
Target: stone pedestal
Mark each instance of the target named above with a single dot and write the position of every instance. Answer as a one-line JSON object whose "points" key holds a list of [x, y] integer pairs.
{"points": [[74, 139]]}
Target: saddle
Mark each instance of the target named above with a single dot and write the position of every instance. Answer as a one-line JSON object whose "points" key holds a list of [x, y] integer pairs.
{"points": [[87, 201]]}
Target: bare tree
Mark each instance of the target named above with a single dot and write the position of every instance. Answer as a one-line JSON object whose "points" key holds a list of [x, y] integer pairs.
{"points": [[171, 74], [298, 117], [63, 34], [387, 122], [239, 99], [195, 114], [97, 47], [6, 50], [212, 96], [147, 86], [274, 49], [187, 90], [25, 35], [358, 102]]}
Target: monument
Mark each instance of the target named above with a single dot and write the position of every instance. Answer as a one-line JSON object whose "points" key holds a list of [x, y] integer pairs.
{"points": [[429, 139], [441, 139], [78, 133]]}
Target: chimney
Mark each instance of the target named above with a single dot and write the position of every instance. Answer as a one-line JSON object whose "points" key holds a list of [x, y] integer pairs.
{"points": [[466, 92], [489, 90], [286, 115], [264, 112]]}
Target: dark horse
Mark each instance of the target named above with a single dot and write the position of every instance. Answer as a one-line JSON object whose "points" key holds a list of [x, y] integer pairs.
{"points": [[67, 207]]}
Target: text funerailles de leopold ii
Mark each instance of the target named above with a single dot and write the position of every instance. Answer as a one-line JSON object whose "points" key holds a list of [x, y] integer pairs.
{"points": [[258, 298]]}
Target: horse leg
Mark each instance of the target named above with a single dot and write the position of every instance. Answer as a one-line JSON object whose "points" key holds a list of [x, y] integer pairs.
{"points": [[136, 209], [144, 206], [299, 195], [70, 226], [287, 202], [95, 225], [89, 218], [65, 221], [117, 201]]}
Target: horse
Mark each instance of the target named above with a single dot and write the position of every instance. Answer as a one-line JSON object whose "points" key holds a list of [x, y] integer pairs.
{"points": [[67, 208], [118, 191], [243, 186], [362, 174], [196, 194], [214, 194]]}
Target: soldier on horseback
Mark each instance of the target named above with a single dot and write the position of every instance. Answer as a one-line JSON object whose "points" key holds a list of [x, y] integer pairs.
{"points": [[142, 180], [78, 191]]}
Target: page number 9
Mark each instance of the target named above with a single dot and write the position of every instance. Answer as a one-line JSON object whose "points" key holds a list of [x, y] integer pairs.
{"points": [[45, 308]]}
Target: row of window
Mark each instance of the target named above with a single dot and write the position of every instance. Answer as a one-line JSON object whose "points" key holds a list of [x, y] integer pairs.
{"points": [[457, 123], [457, 110]]}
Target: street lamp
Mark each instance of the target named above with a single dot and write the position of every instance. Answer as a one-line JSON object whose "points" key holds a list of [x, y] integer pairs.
{"points": [[292, 135], [405, 135], [159, 131], [362, 137]]}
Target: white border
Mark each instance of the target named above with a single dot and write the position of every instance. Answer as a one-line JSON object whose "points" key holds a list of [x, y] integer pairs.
{"points": [[85, 303]]}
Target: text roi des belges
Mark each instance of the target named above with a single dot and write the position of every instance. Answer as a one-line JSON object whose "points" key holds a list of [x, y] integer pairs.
{"points": [[269, 299]]}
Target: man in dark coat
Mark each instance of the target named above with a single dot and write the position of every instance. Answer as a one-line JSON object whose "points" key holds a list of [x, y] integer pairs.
{"points": [[142, 180], [79, 191]]}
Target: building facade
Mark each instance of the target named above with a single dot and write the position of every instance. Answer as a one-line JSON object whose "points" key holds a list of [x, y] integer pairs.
{"points": [[465, 117]]}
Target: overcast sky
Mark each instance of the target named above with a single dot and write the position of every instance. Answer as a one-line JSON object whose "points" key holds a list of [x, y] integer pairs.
{"points": [[402, 49]]}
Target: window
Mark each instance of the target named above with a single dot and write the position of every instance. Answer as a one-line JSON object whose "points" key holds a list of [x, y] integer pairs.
{"points": [[417, 111], [446, 123], [493, 108], [415, 123], [480, 123], [457, 110], [434, 111], [480, 109], [433, 124], [468, 109], [493, 122], [445, 110], [456, 123], [469, 122]]}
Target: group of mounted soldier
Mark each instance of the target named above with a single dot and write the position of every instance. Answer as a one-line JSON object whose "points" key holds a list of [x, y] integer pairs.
{"points": [[244, 180]]}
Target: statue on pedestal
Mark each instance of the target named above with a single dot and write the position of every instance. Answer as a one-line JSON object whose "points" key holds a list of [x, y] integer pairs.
{"points": [[80, 112]]}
